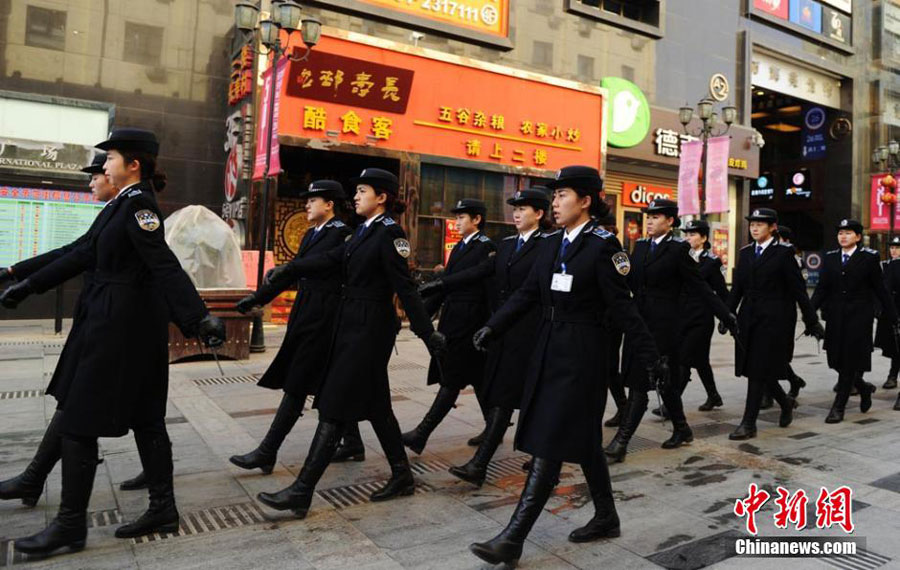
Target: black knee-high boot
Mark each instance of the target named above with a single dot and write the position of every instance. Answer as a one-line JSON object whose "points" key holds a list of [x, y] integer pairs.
{"points": [[845, 382], [891, 381], [747, 427], [796, 383], [401, 482], [155, 449], [713, 399], [617, 391], [681, 431], [298, 496], [506, 547], [605, 523], [264, 456], [865, 389], [443, 403], [475, 470], [351, 447], [69, 528], [787, 403], [29, 485], [637, 405]]}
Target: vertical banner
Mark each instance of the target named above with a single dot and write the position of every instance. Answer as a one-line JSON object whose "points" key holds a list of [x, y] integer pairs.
{"points": [[715, 184], [688, 178], [880, 212], [719, 237], [451, 238], [262, 126]]}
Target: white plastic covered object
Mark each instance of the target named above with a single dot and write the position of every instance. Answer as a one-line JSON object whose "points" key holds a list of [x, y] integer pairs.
{"points": [[206, 247]]}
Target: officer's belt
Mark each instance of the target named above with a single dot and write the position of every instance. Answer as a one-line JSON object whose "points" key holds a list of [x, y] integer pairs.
{"points": [[766, 296], [316, 285], [103, 277], [465, 298], [661, 295], [557, 316], [363, 294]]}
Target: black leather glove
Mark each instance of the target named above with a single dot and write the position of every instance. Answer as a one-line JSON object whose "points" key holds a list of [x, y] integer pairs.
{"points": [[211, 330], [15, 294], [723, 328], [431, 288], [246, 304], [274, 274], [659, 374], [437, 344], [481, 338], [815, 330], [731, 324], [6, 276]]}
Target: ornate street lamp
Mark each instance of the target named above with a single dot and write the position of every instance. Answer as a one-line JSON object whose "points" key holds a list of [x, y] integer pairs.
{"points": [[709, 120], [287, 16]]}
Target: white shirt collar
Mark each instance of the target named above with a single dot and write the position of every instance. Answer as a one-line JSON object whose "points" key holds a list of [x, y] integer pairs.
{"points": [[372, 219], [659, 239], [851, 252], [764, 244], [574, 233], [527, 235], [322, 225], [469, 237], [122, 191]]}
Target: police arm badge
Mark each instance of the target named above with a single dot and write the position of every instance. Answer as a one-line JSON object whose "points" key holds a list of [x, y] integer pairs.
{"points": [[621, 262], [402, 247], [147, 220]]}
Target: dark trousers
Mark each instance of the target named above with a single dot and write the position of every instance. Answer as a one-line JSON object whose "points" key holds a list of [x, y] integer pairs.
{"points": [[895, 367], [755, 388], [706, 377], [846, 380]]}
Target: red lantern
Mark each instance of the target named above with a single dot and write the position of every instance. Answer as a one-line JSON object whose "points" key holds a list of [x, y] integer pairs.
{"points": [[889, 182], [888, 198]]}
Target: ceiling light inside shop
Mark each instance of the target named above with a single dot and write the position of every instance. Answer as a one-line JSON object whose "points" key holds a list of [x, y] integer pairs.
{"points": [[792, 110], [783, 127], [760, 92], [759, 115]]}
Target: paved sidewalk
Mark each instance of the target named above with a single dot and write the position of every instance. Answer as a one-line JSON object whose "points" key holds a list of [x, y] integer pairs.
{"points": [[675, 506]]}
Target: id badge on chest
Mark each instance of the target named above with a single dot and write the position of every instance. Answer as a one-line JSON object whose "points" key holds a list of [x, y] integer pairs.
{"points": [[561, 282]]}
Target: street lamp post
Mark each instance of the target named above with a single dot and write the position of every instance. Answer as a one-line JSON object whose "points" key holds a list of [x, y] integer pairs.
{"points": [[709, 120], [285, 15], [887, 158]]}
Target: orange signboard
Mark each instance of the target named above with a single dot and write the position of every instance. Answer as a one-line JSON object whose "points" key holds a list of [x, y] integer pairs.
{"points": [[636, 195], [451, 238], [435, 104], [485, 16]]}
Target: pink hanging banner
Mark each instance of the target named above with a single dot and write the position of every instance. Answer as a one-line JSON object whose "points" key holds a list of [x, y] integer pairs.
{"points": [[715, 184], [689, 178], [259, 164]]}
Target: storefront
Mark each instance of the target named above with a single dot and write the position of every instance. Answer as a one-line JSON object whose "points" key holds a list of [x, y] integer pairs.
{"points": [[451, 127]]}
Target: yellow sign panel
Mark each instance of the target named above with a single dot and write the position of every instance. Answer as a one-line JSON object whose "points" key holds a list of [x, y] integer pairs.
{"points": [[485, 16]]}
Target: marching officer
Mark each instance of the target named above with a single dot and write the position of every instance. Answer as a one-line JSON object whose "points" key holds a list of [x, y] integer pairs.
{"points": [[507, 359], [662, 269], [614, 374], [355, 385], [465, 309], [884, 336], [29, 485], [577, 277], [119, 379], [697, 316], [299, 365], [767, 286], [849, 283]]}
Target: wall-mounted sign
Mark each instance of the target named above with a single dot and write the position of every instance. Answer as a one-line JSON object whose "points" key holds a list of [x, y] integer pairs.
{"points": [[807, 13], [813, 133], [43, 156], [453, 108], [798, 184], [486, 21], [719, 89], [791, 79], [836, 25], [451, 238], [241, 84], [845, 5], [636, 195], [628, 112], [777, 8], [763, 188]]}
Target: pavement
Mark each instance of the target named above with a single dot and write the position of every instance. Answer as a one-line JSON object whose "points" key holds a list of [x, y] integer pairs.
{"points": [[676, 506]]}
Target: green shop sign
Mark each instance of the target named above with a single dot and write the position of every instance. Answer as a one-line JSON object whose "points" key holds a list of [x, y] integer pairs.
{"points": [[628, 113]]}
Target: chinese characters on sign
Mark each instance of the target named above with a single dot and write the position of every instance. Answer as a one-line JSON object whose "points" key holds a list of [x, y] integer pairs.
{"points": [[486, 16], [667, 142], [832, 508], [241, 84]]}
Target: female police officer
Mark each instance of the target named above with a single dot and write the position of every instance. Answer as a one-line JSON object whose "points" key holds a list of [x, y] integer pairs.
{"points": [[355, 386], [507, 360], [298, 367], [577, 277], [121, 379], [885, 337], [767, 286], [697, 317], [849, 284]]}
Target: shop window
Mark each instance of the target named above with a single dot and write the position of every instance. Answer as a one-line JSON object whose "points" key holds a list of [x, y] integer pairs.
{"points": [[45, 28], [143, 44], [643, 16], [542, 54]]}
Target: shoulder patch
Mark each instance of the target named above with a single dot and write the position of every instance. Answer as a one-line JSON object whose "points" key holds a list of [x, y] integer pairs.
{"points": [[748, 246], [677, 239], [711, 255], [643, 239], [402, 247], [510, 237], [549, 234], [147, 220], [601, 233], [832, 252], [335, 224], [621, 263], [388, 221], [133, 192], [483, 238], [870, 250]]}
